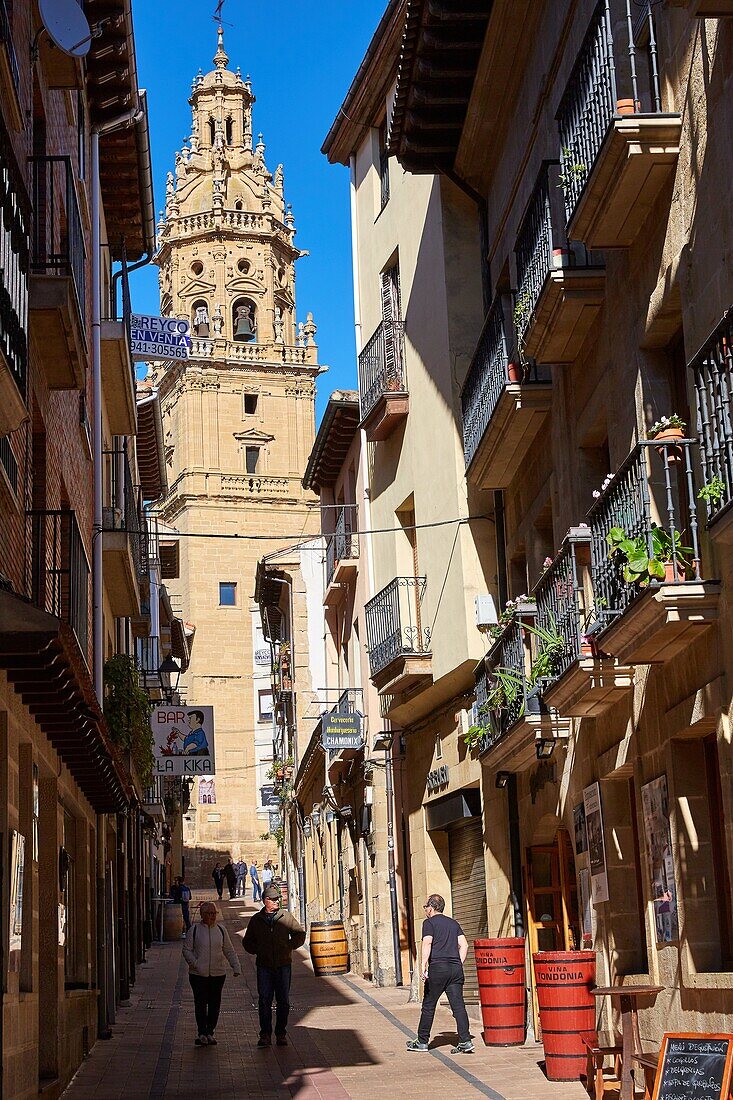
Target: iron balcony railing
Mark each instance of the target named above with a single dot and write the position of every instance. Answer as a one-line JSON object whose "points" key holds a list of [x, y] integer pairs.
{"points": [[502, 689], [712, 371], [58, 570], [147, 656], [541, 246], [382, 365], [488, 377], [123, 509], [15, 230], [394, 623], [9, 462], [344, 542], [562, 616], [651, 499], [616, 72], [58, 240], [155, 793], [6, 38]]}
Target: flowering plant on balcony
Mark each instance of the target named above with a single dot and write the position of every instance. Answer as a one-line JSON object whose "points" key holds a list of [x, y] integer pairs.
{"points": [[508, 615], [666, 424], [552, 646]]}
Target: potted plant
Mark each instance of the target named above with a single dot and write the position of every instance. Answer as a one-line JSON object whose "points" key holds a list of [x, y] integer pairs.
{"points": [[551, 649], [640, 567], [713, 493], [665, 430], [627, 106]]}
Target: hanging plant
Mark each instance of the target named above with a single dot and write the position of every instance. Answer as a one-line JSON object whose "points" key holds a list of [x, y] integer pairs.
{"points": [[127, 713]]}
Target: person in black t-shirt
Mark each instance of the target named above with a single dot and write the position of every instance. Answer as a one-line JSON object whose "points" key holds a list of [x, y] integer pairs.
{"points": [[444, 950]]}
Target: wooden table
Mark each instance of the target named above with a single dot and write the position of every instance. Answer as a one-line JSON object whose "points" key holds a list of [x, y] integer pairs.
{"points": [[627, 997]]}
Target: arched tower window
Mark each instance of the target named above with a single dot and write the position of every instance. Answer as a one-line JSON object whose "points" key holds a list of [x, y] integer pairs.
{"points": [[212, 131], [200, 319], [229, 131], [244, 320], [239, 205]]}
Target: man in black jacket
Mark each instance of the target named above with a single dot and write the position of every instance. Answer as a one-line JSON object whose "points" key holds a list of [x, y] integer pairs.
{"points": [[444, 950], [272, 935]]}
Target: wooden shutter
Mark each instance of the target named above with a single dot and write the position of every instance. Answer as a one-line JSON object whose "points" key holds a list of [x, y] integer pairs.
{"points": [[468, 889]]}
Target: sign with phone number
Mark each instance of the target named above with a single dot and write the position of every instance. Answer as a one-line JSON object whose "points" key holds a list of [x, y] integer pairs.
{"points": [[159, 337]]}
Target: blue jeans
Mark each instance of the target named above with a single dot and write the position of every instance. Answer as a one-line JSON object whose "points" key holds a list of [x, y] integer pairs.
{"points": [[256, 890], [273, 981]]}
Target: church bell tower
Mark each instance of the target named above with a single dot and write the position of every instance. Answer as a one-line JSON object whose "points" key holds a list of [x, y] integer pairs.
{"points": [[239, 424]]}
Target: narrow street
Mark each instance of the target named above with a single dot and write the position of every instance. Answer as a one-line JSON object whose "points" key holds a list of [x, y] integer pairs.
{"points": [[333, 1054]]}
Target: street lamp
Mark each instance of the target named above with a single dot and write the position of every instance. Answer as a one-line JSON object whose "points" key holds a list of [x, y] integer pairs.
{"points": [[502, 778], [168, 668], [545, 748]]}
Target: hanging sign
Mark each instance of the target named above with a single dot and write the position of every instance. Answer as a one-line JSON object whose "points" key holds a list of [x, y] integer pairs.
{"points": [[159, 337], [341, 731], [267, 796], [699, 1066], [596, 848], [183, 740]]}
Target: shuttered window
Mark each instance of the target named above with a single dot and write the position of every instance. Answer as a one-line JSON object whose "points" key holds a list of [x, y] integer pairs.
{"points": [[468, 890]]}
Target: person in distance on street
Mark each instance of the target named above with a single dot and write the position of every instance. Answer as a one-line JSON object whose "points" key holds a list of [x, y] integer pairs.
{"points": [[444, 950], [272, 935], [218, 876], [207, 951], [230, 875]]}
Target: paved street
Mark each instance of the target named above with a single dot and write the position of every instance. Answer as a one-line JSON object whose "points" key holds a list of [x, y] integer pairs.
{"points": [[333, 1054]]}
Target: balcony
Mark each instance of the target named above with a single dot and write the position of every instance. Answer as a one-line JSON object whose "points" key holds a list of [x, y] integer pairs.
{"points": [[124, 538], [651, 502], [118, 369], [342, 555], [711, 9], [619, 149], [504, 406], [9, 70], [149, 657], [57, 286], [510, 710], [712, 371], [15, 223], [583, 682], [560, 285], [153, 803], [383, 397], [59, 570], [398, 642]]}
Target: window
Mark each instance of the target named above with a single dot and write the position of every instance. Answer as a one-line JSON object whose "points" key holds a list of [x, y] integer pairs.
{"points": [[227, 594], [250, 404], [264, 696], [68, 875], [438, 747], [229, 131], [383, 167], [251, 458]]}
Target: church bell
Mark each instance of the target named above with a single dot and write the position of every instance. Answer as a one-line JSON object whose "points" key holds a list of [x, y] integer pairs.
{"points": [[243, 324]]}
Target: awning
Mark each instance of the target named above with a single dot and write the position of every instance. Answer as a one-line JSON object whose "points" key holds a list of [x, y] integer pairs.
{"points": [[179, 643], [46, 668], [149, 443]]}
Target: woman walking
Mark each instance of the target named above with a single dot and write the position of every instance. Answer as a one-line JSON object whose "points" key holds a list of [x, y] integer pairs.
{"points": [[207, 950]]}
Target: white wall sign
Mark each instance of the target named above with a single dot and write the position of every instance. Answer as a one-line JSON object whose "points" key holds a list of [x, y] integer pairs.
{"points": [[159, 337], [596, 848], [183, 740]]}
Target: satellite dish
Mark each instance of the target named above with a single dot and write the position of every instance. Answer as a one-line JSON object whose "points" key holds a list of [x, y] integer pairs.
{"points": [[67, 26]]}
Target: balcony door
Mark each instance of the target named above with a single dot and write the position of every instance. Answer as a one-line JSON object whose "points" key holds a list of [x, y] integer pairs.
{"points": [[552, 901], [391, 313]]}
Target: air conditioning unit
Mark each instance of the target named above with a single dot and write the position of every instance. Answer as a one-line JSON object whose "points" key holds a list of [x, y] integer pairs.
{"points": [[112, 519], [486, 615]]}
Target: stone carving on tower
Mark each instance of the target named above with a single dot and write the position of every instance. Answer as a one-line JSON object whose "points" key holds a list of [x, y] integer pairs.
{"points": [[239, 421]]}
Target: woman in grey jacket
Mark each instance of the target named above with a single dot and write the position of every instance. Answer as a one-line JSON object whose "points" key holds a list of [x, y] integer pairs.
{"points": [[207, 950]]}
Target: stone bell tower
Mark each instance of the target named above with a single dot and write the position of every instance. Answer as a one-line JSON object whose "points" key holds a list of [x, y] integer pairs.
{"points": [[239, 424]]}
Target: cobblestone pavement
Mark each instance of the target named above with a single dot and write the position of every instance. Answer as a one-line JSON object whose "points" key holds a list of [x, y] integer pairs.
{"points": [[347, 1039]]}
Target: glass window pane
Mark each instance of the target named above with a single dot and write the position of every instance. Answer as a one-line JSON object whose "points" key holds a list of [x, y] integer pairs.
{"points": [[227, 594]]}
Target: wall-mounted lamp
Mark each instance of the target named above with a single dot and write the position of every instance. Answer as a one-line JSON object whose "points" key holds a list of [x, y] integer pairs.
{"points": [[329, 816], [307, 827], [502, 778], [545, 748], [316, 816]]}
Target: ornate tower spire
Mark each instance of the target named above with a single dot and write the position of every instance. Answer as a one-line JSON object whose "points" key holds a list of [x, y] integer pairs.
{"points": [[220, 57]]}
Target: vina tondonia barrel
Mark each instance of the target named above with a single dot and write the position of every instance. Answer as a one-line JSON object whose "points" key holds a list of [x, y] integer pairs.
{"points": [[564, 981], [500, 969]]}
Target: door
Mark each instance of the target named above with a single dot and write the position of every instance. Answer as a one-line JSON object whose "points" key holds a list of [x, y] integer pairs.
{"points": [[468, 891], [552, 902], [391, 313]]}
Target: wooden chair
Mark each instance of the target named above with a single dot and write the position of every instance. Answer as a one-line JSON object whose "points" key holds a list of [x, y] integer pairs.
{"points": [[599, 1045], [648, 1064]]}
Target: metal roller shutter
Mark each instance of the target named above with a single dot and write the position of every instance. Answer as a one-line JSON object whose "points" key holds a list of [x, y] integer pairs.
{"points": [[468, 891]]}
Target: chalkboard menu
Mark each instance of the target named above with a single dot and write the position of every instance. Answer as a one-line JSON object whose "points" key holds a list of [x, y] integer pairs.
{"points": [[696, 1066]]}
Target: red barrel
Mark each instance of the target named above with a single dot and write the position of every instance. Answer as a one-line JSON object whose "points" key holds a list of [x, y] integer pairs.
{"points": [[564, 980], [500, 969]]}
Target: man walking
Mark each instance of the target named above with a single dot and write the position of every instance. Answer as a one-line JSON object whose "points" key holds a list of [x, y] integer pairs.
{"points": [[255, 880], [181, 894], [242, 879], [207, 950], [272, 935], [444, 950]]}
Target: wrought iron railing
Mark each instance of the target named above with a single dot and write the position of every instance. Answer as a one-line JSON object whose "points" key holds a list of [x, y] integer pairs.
{"points": [[605, 72], [58, 570], [394, 622], [382, 365], [123, 509], [15, 229], [651, 499], [488, 377], [6, 38], [9, 462], [502, 687], [383, 170], [561, 606], [58, 240], [344, 542], [147, 655], [350, 701], [712, 371], [155, 793]]}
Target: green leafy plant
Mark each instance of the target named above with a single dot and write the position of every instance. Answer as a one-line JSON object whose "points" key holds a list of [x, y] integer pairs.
{"points": [[127, 713], [571, 169], [552, 646], [713, 491], [522, 310], [640, 567]]}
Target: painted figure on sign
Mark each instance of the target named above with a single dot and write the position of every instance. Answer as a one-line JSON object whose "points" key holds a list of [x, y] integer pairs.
{"points": [[196, 743]]}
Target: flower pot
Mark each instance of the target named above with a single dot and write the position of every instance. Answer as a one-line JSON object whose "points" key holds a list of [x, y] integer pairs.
{"points": [[588, 649], [627, 107], [674, 454], [674, 576], [514, 372]]}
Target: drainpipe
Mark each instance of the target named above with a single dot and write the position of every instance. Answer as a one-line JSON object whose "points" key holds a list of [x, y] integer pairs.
{"points": [[515, 856], [389, 791]]}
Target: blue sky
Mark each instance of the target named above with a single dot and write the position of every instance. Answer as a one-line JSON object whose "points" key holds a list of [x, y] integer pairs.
{"points": [[301, 58]]}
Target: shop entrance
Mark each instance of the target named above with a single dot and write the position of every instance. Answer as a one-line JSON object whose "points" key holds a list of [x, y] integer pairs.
{"points": [[552, 901], [468, 891]]}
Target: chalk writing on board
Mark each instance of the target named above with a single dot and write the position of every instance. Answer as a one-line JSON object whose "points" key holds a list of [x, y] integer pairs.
{"points": [[693, 1068]]}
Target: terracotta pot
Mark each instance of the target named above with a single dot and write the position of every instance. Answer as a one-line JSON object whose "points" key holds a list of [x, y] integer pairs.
{"points": [[514, 372], [627, 107], [674, 454], [587, 649]]}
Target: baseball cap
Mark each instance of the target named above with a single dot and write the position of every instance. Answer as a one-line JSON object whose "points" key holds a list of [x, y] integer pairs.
{"points": [[271, 892]]}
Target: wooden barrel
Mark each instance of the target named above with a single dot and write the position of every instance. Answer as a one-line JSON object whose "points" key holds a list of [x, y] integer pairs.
{"points": [[500, 969], [328, 947], [172, 921], [564, 980]]}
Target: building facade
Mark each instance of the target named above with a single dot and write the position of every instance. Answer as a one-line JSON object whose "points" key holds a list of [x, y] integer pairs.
{"points": [[239, 416]]}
